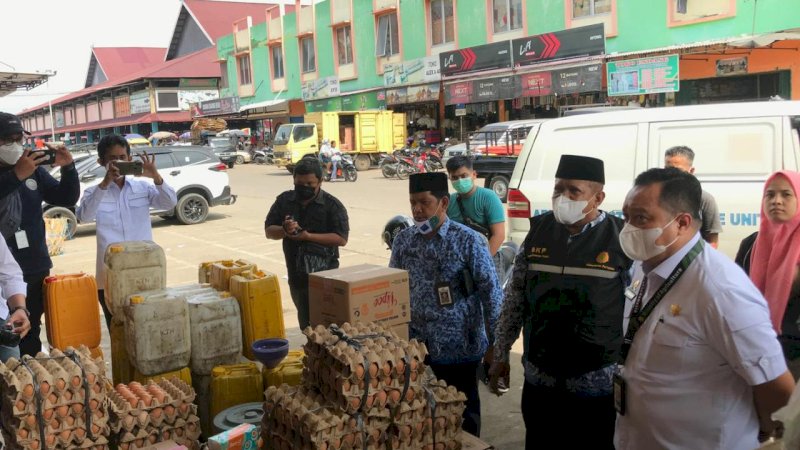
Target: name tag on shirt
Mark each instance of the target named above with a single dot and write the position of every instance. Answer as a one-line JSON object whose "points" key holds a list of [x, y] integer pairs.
{"points": [[22, 239], [629, 293]]}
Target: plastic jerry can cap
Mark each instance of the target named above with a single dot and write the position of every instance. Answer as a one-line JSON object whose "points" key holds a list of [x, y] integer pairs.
{"points": [[137, 299], [227, 262], [218, 371], [116, 249]]}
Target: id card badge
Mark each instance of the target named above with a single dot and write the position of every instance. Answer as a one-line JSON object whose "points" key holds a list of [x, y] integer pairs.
{"points": [[22, 239], [444, 294], [619, 394]]}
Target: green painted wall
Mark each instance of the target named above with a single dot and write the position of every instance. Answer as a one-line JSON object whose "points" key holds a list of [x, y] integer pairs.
{"points": [[642, 24]]}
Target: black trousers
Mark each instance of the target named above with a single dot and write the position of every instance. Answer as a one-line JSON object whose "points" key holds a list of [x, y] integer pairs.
{"points": [[101, 296], [31, 344], [555, 417], [298, 287], [462, 377]]}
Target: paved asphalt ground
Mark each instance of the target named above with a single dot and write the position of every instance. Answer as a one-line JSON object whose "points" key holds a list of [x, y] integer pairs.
{"points": [[237, 231]]}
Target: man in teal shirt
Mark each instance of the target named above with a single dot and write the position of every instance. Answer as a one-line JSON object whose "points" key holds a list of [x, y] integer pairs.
{"points": [[476, 207]]}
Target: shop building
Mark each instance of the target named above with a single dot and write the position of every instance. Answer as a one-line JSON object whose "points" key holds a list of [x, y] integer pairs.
{"points": [[507, 59], [144, 90]]}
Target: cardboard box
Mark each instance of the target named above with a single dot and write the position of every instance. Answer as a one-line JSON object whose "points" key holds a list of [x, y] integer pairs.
{"points": [[362, 293], [244, 436], [470, 442]]}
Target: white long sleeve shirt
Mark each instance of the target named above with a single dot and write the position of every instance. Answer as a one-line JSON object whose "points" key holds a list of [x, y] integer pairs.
{"points": [[123, 214], [11, 281]]}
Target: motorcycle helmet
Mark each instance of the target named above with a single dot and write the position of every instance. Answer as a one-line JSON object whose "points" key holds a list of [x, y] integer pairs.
{"points": [[394, 226]]}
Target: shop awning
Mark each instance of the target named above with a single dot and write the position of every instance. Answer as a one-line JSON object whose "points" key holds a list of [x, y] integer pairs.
{"points": [[753, 41], [265, 108]]}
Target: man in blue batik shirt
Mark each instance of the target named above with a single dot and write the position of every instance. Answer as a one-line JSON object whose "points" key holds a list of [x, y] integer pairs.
{"points": [[455, 294]]}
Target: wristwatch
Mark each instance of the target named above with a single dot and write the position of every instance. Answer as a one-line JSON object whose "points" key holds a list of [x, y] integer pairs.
{"points": [[14, 309]]}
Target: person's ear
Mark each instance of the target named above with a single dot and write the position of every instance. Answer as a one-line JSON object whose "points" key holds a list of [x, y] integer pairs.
{"points": [[599, 197], [685, 221], [691, 170]]}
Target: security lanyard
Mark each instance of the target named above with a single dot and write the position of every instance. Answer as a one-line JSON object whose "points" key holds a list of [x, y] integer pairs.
{"points": [[639, 317]]}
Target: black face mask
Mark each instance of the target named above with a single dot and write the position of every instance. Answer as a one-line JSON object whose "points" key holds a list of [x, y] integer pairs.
{"points": [[304, 192]]}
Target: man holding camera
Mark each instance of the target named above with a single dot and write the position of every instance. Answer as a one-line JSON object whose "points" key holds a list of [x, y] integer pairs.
{"points": [[120, 204], [24, 184]]}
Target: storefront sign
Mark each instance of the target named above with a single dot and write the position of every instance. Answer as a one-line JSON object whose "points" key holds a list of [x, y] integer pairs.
{"points": [[413, 94], [578, 79], [140, 102], [187, 97], [474, 59], [492, 89], [422, 70], [644, 75], [460, 92], [732, 66], [575, 42], [216, 107], [364, 101], [536, 84], [197, 83], [324, 105], [320, 88], [122, 106]]}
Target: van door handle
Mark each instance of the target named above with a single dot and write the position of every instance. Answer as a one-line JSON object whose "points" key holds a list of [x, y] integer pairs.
{"points": [[175, 172]]}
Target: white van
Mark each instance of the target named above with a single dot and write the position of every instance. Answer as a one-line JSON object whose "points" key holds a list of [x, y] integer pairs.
{"points": [[737, 146]]}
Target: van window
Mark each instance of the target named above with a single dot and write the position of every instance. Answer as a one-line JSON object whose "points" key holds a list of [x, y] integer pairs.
{"points": [[189, 157], [615, 145], [303, 132], [722, 148]]}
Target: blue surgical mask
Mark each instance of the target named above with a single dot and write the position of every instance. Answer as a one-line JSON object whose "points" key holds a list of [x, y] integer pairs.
{"points": [[462, 185], [427, 226]]}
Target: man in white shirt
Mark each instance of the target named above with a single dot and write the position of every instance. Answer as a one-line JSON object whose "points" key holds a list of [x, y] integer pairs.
{"points": [[12, 309], [703, 368], [336, 159], [121, 204]]}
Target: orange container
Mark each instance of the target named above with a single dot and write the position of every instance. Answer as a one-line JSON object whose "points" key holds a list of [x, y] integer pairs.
{"points": [[72, 311], [222, 272]]}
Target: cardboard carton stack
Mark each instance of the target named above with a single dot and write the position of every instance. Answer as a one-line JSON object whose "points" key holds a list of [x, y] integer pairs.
{"points": [[142, 416], [54, 402], [363, 387]]}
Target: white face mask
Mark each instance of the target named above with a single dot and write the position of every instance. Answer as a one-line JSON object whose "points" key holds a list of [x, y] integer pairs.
{"points": [[10, 153], [640, 243], [569, 211]]}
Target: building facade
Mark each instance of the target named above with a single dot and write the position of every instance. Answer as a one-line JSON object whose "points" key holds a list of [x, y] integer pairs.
{"points": [[493, 60]]}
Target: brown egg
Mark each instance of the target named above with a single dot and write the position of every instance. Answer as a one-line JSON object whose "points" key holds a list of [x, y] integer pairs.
{"points": [[70, 421], [53, 398], [76, 381], [394, 397], [93, 405], [179, 432], [66, 395], [48, 414], [124, 446], [34, 445], [50, 440], [65, 435], [20, 405], [360, 371], [62, 411], [153, 438], [146, 399], [97, 388], [156, 413], [373, 370], [90, 377], [95, 429], [44, 388], [27, 391], [138, 442], [77, 408], [169, 410], [400, 367], [133, 401], [22, 434], [60, 384], [183, 408], [30, 420]]}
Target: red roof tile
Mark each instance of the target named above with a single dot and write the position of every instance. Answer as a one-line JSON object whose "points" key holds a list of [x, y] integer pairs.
{"points": [[117, 62], [202, 64], [217, 18]]}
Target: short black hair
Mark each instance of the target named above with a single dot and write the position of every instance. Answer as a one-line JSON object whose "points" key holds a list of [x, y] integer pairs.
{"points": [[680, 150], [109, 141], [440, 194], [680, 191], [308, 166], [457, 162]]}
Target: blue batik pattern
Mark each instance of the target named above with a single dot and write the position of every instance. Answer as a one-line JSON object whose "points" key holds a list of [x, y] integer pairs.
{"points": [[458, 333]]}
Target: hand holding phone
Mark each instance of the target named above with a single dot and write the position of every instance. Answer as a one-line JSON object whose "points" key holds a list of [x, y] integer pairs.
{"points": [[46, 157], [135, 168]]}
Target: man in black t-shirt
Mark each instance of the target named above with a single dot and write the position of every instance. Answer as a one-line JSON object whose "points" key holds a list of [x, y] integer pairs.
{"points": [[313, 224]]}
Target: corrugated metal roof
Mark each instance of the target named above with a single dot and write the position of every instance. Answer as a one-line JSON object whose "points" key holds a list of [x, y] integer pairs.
{"points": [[200, 64], [116, 62], [677, 48]]}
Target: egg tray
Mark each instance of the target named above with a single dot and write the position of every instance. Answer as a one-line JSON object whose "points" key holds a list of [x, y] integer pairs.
{"points": [[27, 426], [156, 404], [185, 432], [302, 416], [29, 397], [53, 442], [350, 363]]}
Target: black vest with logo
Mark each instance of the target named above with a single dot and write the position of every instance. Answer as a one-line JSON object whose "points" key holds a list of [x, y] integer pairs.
{"points": [[576, 295]]}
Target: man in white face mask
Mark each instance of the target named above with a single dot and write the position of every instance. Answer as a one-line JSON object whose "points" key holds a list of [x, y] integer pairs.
{"points": [[568, 287], [24, 179], [701, 365]]}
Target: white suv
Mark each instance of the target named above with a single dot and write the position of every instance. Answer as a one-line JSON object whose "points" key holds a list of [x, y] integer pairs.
{"points": [[197, 175]]}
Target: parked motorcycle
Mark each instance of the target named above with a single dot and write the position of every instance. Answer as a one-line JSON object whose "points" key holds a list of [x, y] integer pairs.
{"points": [[264, 156], [433, 162], [388, 164], [411, 164]]}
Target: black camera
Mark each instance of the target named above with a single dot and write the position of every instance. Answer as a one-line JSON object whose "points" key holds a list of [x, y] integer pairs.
{"points": [[7, 336]]}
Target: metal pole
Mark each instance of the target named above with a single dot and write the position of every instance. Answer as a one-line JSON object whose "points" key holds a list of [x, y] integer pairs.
{"points": [[52, 122]]}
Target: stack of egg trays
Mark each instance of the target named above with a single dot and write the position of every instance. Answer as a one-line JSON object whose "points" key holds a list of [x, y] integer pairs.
{"points": [[300, 418], [144, 415], [362, 366], [55, 401]]}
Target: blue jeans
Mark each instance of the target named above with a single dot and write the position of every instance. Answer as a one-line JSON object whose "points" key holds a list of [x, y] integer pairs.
{"points": [[333, 169]]}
